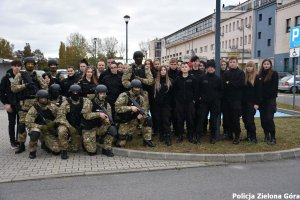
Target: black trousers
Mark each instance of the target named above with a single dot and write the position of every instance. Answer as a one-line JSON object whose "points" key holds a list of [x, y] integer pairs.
{"points": [[248, 112], [154, 110], [267, 110], [208, 107], [13, 118], [225, 128], [185, 113], [232, 114], [163, 114]]}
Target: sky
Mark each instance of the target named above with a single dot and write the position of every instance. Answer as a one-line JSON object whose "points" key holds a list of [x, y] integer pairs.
{"points": [[44, 24]]}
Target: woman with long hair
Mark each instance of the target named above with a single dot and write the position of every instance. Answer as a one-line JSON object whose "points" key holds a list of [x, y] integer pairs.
{"points": [[163, 97], [251, 100], [88, 81], [267, 107]]}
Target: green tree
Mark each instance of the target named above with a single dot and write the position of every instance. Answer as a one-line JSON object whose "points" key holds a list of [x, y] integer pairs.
{"points": [[6, 49], [27, 50], [41, 61], [62, 55]]}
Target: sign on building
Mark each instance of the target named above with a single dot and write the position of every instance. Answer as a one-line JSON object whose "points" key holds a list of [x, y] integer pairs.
{"points": [[295, 37]]}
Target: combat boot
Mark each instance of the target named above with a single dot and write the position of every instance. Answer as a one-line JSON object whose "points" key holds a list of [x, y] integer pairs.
{"points": [[148, 143], [107, 152], [64, 155], [21, 148], [267, 136], [273, 140], [32, 155], [92, 153], [236, 139], [168, 140]]}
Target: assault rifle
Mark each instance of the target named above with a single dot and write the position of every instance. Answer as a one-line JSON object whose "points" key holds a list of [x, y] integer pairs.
{"points": [[148, 119]]}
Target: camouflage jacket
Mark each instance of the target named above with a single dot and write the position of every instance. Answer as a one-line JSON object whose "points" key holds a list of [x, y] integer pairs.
{"points": [[122, 101], [18, 84], [90, 114]]}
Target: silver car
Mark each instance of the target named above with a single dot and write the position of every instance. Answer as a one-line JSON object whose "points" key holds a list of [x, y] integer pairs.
{"points": [[287, 83]]}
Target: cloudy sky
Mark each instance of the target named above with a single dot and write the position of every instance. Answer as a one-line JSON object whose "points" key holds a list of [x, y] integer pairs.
{"points": [[43, 24]]}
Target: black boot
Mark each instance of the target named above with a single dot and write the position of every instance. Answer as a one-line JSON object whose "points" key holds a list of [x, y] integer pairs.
{"points": [[92, 153], [32, 155], [267, 136], [149, 143], [21, 148], [273, 140], [64, 155], [107, 152], [236, 139], [179, 139], [161, 137], [168, 140], [198, 138]]}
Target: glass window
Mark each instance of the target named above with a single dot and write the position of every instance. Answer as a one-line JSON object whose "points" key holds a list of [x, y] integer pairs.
{"points": [[249, 39], [259, 35], [233, 26], [259, 17], [246, 39], [258, 53], [241, 41], [288, 25], [270, 21], [230, 27], [237, 42], [297, 21], [226, 29], [269, 42]]}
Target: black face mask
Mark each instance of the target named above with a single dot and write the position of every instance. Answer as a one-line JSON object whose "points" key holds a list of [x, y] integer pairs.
{"points": [[54, 94], [75, 97]]}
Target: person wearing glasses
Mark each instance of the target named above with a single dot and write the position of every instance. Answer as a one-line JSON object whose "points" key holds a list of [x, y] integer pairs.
{"points": [[8, 98]]}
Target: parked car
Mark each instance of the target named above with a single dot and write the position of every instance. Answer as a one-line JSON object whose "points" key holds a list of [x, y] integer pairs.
{"points": [[283, 74], [63, 72], [38, 72], [287, 83]]}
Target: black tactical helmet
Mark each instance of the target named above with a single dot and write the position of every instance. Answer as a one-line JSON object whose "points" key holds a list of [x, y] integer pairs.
{"points": [[29, 60], [52, 62], [42, 94], [75, 88], [54, 87], [138, 54], [136, 83], [100, 89]]}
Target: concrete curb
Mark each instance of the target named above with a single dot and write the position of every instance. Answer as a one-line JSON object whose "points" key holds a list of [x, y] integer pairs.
{"points": [[224, 158]]}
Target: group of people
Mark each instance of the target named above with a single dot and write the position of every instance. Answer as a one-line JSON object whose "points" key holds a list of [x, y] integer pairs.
{"points": [[112, 105]]}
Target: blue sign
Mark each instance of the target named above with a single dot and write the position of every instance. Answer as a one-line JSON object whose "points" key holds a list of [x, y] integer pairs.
{"points": [[295, 37]]}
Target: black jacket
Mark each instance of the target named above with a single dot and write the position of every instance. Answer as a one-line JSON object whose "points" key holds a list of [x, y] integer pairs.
{"points": [[185, 89], [233, 83], [209, 88], [114, 86], [87, 87], [252, 93], [269, 88], [173, 74], [164, 96], [6, 95], [66, 83]]}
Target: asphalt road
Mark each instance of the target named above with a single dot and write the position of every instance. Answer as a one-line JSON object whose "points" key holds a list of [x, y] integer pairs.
{"points": [[207, 183]]}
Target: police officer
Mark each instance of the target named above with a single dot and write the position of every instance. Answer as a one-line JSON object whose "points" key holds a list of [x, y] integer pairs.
{"points": [[97, 121], [131, 118], [138, 71], [10, 102], [56, 76], [39, 121], [25, 85], [209, 91], [69, 119]]}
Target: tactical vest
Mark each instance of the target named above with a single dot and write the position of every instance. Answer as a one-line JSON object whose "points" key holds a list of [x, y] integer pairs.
{"points": [[74, 116], [29, 93], [127, 116], [138, 72], [93, 123], [43, 115]]}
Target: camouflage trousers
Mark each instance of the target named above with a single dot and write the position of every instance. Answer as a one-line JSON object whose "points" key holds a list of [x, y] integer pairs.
{"points": [[64, 133], [133, 127], [51, 141], [89, 138], [25, 105]]}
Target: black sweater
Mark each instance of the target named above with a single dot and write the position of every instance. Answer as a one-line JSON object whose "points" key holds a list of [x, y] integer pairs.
{"points": [[164, 96], [185, 89], [209, 87], [269, 88], [233, 84], [114, 86], [252, 93], [6, 95]]}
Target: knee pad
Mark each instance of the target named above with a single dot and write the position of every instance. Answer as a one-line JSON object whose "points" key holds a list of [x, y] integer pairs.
{"points": [[34, 135], [113, 131], [21, 128]]}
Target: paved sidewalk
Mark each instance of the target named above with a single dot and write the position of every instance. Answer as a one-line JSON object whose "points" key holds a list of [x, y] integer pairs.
{"points": [[20, 167]]}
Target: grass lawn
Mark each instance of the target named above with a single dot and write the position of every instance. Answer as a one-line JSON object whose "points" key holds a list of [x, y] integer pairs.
{"points": [[287, 135]]}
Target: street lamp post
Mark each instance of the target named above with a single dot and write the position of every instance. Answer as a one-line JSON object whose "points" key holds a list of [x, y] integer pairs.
{"points": [[126, 18], [95, 50]]}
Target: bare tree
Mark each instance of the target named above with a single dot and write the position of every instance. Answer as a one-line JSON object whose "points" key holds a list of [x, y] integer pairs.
{"points": [[121, 50], [144, 47], [110, 46]]}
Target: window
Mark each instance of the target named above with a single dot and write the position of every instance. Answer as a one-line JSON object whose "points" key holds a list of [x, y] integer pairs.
{"points": [[246, 21], [259, 35], [187, 52], [229, 43], [237, 24], [258, 53], [249, 39], [250, 20], [269, 42], [222, 44], [180, 53], [259, 17], [211, 47], [237, 42], [226, 44], [297, 21], [288, 25], [233, 42], [270, 21], [205, 48], [246, 39], [233, 26], [226, 29], [241, 41], [230, 27], [196, 50]]}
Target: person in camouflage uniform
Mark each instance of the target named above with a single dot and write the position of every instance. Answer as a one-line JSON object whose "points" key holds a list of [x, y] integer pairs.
{"points": [[131, 118], [57, 77], [54, 95], [97, 120], [69, 119], [39, 121], [138, 71], [25, 85]]}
